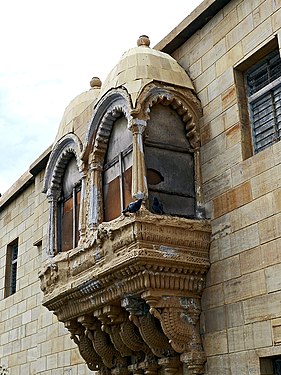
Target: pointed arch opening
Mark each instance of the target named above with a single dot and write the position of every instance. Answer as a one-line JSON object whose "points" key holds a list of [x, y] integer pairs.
{"points": [[169, 160], [62, 185]]}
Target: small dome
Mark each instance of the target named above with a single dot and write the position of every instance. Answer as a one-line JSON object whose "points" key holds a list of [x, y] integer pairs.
{"points": [[78, 113], [141, 65]]}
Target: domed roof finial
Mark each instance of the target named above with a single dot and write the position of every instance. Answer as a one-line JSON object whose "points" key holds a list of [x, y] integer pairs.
{"points": [[95, 83], [143, 41]]}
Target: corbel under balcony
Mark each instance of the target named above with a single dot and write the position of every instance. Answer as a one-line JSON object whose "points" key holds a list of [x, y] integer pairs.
{"points": [[130, 296]]}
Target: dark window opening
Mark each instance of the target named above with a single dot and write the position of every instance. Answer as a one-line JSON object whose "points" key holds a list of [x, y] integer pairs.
{"points": [[117, 171], [270, 365], [68, 207], [11, 269], [170, 164], [263, 87]]}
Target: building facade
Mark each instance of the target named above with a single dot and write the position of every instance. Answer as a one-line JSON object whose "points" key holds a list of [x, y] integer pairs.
{"points": [[189, 283]]}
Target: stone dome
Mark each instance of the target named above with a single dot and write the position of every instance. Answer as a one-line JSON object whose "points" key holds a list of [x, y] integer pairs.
{"points": [[141, 65], [78, 113]]}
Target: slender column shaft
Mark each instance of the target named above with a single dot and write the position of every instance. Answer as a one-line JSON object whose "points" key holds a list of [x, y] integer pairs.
{"points": [[82, 211], [139, 181]]}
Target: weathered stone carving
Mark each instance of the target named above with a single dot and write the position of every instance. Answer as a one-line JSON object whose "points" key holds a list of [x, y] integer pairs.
{"points": [[129, 293], [150, 265], [150, 332], [179, 317], [78, 335], [101, 342]]}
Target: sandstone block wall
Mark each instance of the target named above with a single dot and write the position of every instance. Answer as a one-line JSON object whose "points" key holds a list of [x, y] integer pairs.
{"points": [[241, 305], [32, 341]]}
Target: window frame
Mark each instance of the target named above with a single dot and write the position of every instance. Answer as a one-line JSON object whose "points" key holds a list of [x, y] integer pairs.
{"points": [[117, 191], [76, 202], [11, 268], [266, 93]]}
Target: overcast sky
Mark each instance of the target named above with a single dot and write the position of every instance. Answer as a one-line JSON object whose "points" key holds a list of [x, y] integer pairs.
{"points": [[49, 52]]}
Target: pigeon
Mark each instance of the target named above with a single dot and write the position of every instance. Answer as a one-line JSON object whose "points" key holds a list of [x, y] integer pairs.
{"points": [[133, 207], [157, 206]]}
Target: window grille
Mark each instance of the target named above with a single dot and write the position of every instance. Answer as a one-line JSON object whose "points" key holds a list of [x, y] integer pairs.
{"points": [[263, 84], [11, 269]]}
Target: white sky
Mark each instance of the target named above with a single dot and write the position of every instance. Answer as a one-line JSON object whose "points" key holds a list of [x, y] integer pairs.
{"points": [[49, 52]]}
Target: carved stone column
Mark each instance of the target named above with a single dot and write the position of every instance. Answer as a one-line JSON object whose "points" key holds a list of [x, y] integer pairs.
{"points": [[52, 240], [139, 182], [83, 200], [96, 204]]}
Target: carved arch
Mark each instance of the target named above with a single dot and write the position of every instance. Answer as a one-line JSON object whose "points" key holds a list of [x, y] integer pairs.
{"points": [[111, 106], [63, 150], [67, 147], [188, 107], [183, 101]]}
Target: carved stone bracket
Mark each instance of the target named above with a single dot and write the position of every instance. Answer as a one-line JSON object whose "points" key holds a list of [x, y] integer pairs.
{"points": [[150, 332], [179, 318], [85, 346], [101, 342]]}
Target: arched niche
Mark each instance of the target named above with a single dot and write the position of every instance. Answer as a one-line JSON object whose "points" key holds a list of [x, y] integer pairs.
{"points": [[108, 152], [62, 184], [171, 149], [169, 160]]}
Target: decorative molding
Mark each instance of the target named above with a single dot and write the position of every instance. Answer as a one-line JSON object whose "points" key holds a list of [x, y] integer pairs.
{"points": [[68, 146], [183, 101], [106, 111]]}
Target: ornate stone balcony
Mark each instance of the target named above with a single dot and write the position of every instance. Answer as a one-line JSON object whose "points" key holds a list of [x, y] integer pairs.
{"points": [[130, 294]]}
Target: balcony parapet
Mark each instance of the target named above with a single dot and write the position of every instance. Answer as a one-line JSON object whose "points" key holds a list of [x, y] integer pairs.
{"points": [[139, 279]]}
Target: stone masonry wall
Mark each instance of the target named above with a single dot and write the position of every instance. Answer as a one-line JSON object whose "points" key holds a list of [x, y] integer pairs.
{"points": [[241, 318], [32, 341]]}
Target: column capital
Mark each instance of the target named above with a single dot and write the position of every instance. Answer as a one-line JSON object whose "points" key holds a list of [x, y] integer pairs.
{"points": [[137, 126]]}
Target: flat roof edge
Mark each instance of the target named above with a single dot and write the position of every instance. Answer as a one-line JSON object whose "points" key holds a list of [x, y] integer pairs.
{"points": [[26, 179], [190, 25]]}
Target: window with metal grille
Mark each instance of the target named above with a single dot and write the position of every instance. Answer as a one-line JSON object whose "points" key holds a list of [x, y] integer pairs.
{"points": [[11, 269], [263, 86]]}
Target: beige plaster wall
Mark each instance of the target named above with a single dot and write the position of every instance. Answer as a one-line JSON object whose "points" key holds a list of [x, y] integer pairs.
{"points": [[241, 305], [32, 341]]}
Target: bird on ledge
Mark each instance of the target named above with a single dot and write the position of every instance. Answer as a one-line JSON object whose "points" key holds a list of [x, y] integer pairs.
{"points": [[133, 207]]}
